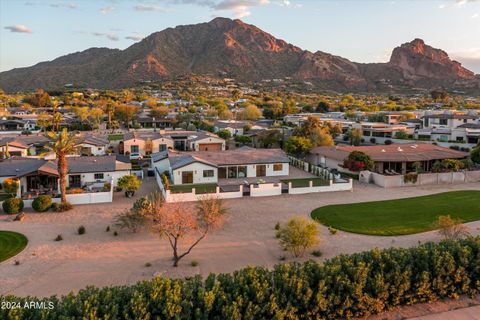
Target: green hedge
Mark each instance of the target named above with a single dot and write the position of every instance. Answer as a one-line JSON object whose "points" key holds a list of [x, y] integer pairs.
{"points": [[346, 286]]}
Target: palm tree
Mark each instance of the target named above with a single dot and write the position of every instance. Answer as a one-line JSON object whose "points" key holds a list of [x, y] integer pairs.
{"points": [[63, 143]]}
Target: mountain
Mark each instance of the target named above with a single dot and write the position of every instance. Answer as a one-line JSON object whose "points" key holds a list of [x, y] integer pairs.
{"points": [[235, 49]]}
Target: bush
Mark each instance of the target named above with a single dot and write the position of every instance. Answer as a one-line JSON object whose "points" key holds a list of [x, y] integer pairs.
{"points": [[62, 207], [58, 238], [12, 205], [108, 229], [42, 203], [148, 264], [10, 186], [347, 286], [332, 230], [316, 253], [130, 183], [115, 233], [106, 187], [297, 235], [194, 263], [81, 230]]}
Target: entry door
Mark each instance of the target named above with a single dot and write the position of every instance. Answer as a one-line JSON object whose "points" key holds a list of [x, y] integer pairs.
{"points": [[261, 170], [187, 177], [74, 181]]}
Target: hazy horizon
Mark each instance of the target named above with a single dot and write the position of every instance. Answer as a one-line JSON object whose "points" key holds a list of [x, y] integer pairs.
{"points": [[361, 31]]}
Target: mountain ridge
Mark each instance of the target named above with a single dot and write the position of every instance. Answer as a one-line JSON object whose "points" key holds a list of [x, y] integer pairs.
{"points": [[227, 47]]}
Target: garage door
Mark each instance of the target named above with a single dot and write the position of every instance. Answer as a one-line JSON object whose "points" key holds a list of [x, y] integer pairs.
{"points": [[210, 146]]}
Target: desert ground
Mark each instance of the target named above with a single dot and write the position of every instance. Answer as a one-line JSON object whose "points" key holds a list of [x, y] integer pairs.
{"points": [[99, 258]]}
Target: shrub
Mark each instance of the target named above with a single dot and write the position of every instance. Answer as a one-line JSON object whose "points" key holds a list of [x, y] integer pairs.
{"points": [[130, 183], [277, 226], [75, 191], [332, 230], [450, 228], [12, 205], [344, 287], [297, 235], [17, 262], [42, 203], [58, 238], [194, 263], [108, 229], [410, 177], [81, 230], [358, 161], [10, 186], [106, 187], [115, 233], [148, 264], [316, 253], [62, 207]]}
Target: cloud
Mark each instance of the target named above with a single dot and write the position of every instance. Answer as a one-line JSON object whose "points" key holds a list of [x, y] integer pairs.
{"points": [[134, 37], [474, 16], [442, 6], [288, 3], [106, 10], [110, 35], [149, 7], [239, 8], [70, 5], [18, 28]]}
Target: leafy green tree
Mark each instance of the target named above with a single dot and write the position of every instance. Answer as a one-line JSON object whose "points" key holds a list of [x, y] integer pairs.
{"points": [[475, 154], [298, 146], [297, 235], [10, 187], [251, 112], [243, 140], [130, 183], [268, 137], [224, 134]]}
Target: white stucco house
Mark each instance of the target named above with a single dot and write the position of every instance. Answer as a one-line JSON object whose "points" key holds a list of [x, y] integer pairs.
{"points": [[209, 167]]}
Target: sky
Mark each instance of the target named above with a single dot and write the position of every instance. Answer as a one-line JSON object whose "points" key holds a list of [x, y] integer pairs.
{"points": [[32, 31]]}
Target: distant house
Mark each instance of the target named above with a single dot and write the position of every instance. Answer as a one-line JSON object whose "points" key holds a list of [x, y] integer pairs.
{"points": [[16, 126], [23, 145], [93, 146], [151, 142], [11, 147], [83, 171], [210, 167], [451, 127], [394, 158], [40, 176]]}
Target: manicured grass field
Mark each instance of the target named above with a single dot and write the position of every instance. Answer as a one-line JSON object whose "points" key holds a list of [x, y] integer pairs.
{"points": [[199, 188], [400, 217], [11, 243], [113, 137], [304, 182]]}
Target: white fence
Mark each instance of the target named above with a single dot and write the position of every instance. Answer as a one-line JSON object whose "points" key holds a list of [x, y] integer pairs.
{"points": [[422, 178], [340, 186]]}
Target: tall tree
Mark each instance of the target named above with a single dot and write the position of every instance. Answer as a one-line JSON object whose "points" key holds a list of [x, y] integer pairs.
{"points": [[178, 222], [63, 143]]}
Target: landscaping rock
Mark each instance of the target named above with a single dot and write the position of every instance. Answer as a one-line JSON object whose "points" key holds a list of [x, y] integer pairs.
{"points": [[19, 217]]}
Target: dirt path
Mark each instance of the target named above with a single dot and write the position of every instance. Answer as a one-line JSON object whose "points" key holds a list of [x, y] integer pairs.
{"points": [[99, 258]]}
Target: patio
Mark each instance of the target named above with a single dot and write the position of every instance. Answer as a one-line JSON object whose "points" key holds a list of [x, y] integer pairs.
{"points": [[294, 173]]}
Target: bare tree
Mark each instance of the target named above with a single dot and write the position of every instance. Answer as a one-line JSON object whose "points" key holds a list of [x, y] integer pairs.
{"points": [[180, 222], [451, 228]]}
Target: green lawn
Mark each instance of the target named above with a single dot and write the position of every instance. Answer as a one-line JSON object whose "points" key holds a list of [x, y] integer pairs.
{"points": [[11, 243], [199, 188], [114, 137], [399, 217], [302, 183]]}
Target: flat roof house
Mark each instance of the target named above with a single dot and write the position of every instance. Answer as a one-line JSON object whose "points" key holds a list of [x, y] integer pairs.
{"points": [[389, 159], [211, 167]]}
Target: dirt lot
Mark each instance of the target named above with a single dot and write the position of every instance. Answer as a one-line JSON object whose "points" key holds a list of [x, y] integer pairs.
{"points": [[99, 258]]}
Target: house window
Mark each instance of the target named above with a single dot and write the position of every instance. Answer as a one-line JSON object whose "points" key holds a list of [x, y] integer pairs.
{"points": [[232, 172], [163, 147], [208, 173], [99, 149], [74, 181], [134, 149], [98, 176], [277, 167], [443, 122], [242, 171]]}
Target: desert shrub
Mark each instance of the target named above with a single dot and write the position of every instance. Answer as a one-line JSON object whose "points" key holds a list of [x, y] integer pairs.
{"points": [[410, 177], [58, 238], [277, 226], [42, 203], [316, 253], [12, 205], [115, 233], [108, 229], [297, 235], [106, 187], [347, 286], [450, 228], [62, 207], [332, 230], [81, 230], [194, 263]]}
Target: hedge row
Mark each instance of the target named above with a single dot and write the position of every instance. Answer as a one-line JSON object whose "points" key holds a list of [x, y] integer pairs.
{"points": [[346, 286]]}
